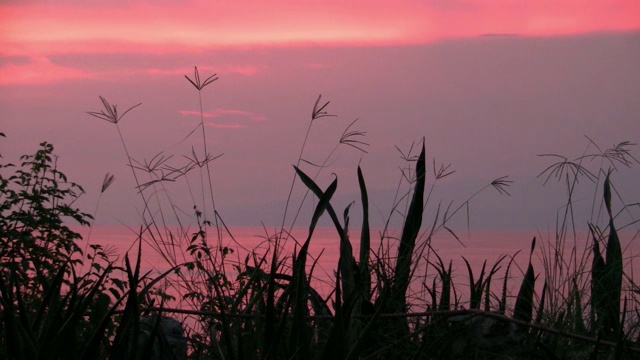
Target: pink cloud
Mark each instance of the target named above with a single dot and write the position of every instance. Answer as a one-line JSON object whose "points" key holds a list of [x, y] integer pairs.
{"points": [[195, 113], [225, 126], [246, 70], [39, 30], [225, 113], [221, 112], [47, 28], [38, 70]]}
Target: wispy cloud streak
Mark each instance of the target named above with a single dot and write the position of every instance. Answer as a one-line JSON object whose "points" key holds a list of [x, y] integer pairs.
{"points": [[222, 113], [134, 26], [38, 70]]}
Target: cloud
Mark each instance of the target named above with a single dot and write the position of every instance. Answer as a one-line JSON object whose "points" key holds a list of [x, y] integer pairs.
{"points": [[35, 34], [246, 70], [46, 28], [197, 26], [14, 60], [225, 126], [36, 70], [226, 114]]}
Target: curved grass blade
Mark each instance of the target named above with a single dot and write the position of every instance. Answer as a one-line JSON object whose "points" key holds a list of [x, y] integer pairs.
{"points": [[410, 231], [300, 333], [503, 301], [309, 183], [545, 288], [524, 302], [613, 283], [365, 238], [346, 261], [598, 287], [473, 302]]}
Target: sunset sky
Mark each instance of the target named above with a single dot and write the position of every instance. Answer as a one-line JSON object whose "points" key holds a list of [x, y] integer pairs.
{"points": [[488, 84]]}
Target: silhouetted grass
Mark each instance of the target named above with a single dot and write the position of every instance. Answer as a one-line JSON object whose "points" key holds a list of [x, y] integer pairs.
{"points": [[267, 304]]}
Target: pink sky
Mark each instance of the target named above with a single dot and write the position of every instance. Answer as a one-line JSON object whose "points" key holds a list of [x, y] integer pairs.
{"points": [[38, 29], [490, 84]]}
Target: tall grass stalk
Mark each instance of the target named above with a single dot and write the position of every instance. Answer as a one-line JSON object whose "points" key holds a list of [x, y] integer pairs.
{"points": [[106, 183], [110, 114], [199, 86]]}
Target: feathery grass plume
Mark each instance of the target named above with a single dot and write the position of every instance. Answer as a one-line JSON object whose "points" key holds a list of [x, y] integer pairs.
{"points": [[559, 267], [564, 167], [110, 114], [499, 184], [351, 138], [196, 79], [620, 153], [106, 183], [317, 113], [108, 180], [2, 135], [319, 110], [523, 309]]}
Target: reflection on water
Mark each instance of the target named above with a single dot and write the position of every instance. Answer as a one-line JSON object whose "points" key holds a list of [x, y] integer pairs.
{"points": [[477, 247]]}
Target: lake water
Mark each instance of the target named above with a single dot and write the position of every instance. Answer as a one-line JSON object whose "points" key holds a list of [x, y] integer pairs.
{"points": [[324, 247]]}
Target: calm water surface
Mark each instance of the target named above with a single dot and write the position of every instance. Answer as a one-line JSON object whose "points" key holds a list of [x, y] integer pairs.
{"points": [[476, 247]]}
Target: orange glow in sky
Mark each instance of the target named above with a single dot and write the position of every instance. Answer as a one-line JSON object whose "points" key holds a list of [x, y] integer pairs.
{"points": [[36, 31], [64, 27]]}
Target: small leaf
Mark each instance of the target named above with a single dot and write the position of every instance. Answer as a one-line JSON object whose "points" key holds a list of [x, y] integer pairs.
{"points": [[607, 193]]}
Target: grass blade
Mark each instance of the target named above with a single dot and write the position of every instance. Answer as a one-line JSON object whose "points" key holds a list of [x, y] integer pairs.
{"points": [[598, 284], [300, 332], [613, 283], [365, 238], [410, 231], [524, 302]]}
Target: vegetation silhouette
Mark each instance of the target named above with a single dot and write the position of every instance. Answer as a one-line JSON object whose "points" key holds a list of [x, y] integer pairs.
{"points": [[60, 300]]}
